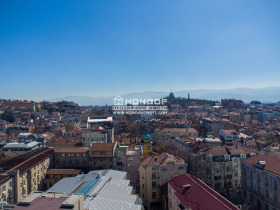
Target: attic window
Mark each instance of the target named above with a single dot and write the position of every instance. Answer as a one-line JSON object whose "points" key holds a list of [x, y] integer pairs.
{"points": [[227, 157]]}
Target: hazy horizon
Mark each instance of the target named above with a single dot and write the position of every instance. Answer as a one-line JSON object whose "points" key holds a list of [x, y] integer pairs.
{"points": [[52, 49]]}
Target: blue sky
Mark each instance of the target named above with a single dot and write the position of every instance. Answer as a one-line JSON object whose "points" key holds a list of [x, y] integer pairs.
{"points": [[52, 49]]}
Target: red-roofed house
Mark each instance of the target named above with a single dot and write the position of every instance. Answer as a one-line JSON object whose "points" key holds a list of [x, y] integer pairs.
{"points": [[188, 192]]}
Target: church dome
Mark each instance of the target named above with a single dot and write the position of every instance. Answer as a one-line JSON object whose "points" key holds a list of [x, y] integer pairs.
{"points": [[147, 137]]}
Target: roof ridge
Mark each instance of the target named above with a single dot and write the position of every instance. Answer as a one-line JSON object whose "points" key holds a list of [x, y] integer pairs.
{"points": [[25, 161], [203, 185]]}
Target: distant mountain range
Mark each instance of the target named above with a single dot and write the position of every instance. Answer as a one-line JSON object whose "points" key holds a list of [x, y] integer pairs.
{"points": [[265, 95]]}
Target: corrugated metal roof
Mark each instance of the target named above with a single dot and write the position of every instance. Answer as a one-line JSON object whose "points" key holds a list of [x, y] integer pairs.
{"points": [[104, 189]]}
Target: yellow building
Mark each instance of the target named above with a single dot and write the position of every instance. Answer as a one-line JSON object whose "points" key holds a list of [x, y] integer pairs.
{"points": [[145, 144], [155, 171], [23, 175], [234, 116]]}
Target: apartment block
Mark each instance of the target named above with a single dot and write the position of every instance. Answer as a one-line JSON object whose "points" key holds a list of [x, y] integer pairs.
{"points": [[101, 156], [155, 171], [24, 174], [261, 181], [71, 157]]}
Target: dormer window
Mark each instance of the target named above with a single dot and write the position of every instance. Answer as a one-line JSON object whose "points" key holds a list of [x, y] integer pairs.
{"points": [[227, 157], [209, 158], [242, 156]]}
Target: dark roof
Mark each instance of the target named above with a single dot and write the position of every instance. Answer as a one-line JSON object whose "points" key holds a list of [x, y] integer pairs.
{"points": [[194, 193], [25, 161], [4, 178]]}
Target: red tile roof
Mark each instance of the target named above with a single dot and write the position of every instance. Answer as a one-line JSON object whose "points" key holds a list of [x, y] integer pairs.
{"points": [[43, 204], [230, 132], [71, 149], [102, 147], [220, 151], [197, 194], [180, 130], [63, 172], [26, 161], [271, 161], [160, 159]]}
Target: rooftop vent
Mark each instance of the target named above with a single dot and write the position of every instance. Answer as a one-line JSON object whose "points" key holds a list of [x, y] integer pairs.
{"points": [[186, 187], [260, 164]]}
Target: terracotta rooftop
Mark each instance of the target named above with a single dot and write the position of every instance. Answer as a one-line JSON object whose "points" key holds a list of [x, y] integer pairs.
{"points": [[70, 149], [181, 130], [230, 132], [124, 140], [160, 159], [62, 142], [220, 151], [194, 193], [102, 147], [25, 161], [271, 161], [43, 204], [63, 172]]}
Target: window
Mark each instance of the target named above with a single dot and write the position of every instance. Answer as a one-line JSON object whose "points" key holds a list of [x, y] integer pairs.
{"points": [[154, 175], [275, 186], [275, 198], [77, 162], [251, 197], [143, 195], [245, 195], [154, 195], [266, 207], [143, 186], [266, 193], [227, 157], [181, 168], [266, 181], [154, 185], [209, 158]]}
